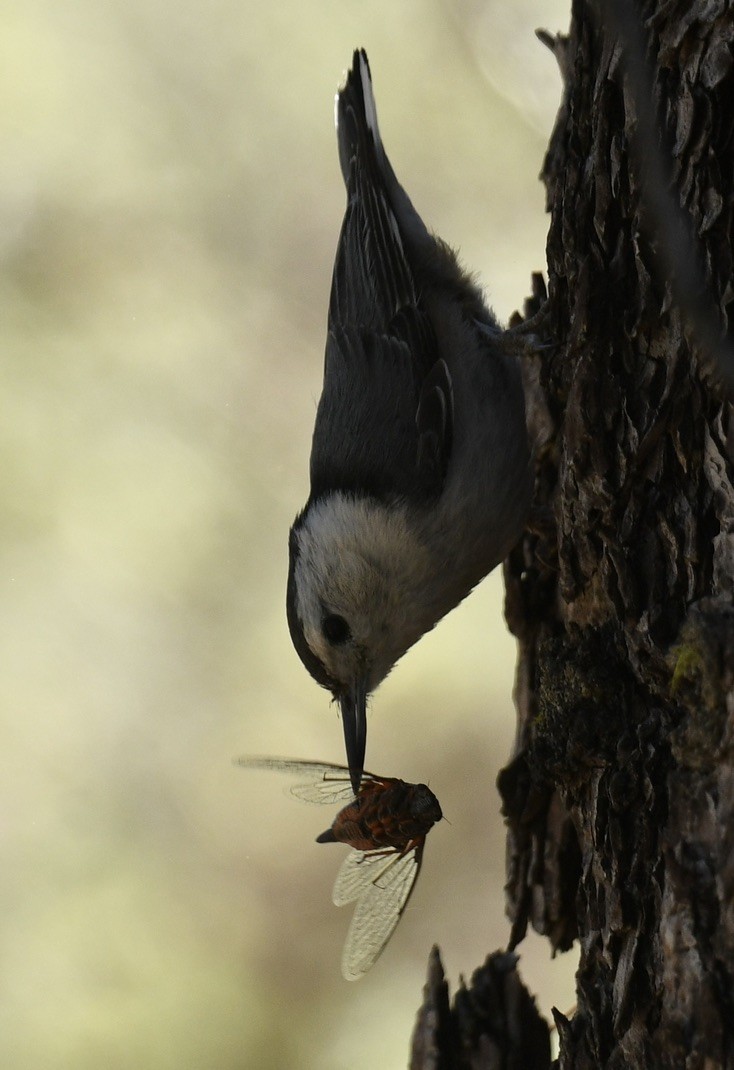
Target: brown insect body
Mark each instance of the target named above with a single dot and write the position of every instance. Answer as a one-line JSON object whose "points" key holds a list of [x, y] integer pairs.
{"points": [[387, 814], [386, 825]]}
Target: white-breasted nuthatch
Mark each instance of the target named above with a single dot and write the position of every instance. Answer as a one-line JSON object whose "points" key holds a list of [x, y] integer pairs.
{"points": [[420, 471]]}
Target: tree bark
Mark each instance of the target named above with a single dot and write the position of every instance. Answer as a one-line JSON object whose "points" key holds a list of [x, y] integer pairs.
{"points": [[619, 799]]}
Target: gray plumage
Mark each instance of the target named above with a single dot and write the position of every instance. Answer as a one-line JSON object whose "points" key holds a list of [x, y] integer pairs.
{"points": [[420, 474]]}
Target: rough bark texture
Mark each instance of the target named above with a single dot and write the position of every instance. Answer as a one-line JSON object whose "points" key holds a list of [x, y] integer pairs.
{"points": [[493, 1025], [620, 798]]}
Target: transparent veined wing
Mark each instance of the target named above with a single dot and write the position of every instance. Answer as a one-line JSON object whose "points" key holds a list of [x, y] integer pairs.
{"points": [[326, 782], [381, 882], [386, 825]]}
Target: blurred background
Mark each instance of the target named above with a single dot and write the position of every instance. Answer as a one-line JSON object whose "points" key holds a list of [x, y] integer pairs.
{"points": [[170, 201]]}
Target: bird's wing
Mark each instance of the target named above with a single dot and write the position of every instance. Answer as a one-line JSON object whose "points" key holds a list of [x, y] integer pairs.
{"points": [[367, 435], [381, 348]]}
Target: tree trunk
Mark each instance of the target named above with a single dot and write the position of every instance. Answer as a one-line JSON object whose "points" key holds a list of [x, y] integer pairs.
{"points": [[620, 798]]}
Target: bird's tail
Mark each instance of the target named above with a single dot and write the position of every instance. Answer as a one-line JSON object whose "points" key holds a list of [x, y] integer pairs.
{"points": [[356, 116]]}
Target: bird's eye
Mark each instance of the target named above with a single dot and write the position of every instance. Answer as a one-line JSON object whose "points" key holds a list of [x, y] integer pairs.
{"points": [[335, 629]]}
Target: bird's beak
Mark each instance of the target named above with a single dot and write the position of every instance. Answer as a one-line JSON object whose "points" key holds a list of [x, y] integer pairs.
{"points": [[354, 716]]}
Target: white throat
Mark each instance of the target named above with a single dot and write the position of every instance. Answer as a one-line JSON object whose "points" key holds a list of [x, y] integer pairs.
{"points": [[365, 562]]}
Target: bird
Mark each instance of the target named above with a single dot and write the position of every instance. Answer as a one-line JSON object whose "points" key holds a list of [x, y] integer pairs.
{"points": [[420, 473]]}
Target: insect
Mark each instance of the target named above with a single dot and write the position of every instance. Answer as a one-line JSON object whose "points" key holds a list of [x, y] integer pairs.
{"points": [[386, 826]]}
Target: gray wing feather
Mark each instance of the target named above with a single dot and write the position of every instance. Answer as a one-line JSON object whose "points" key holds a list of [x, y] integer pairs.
{"points": [[381, 344], [366, 436]]}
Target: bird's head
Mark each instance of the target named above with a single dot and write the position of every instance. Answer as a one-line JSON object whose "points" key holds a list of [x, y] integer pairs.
{"points": [[355, 577]]}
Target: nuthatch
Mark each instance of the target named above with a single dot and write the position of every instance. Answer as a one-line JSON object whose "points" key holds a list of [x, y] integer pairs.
{"points": [[420, 468]]}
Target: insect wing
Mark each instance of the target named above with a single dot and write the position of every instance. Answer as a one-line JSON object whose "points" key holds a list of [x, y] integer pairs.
{"points": [[325, 791], [326, 783], [381, 883]]}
